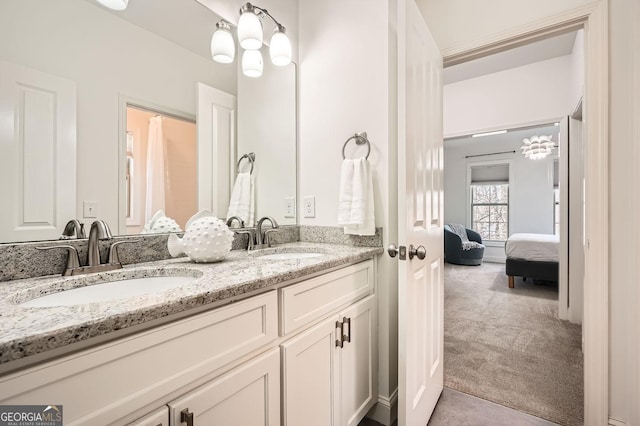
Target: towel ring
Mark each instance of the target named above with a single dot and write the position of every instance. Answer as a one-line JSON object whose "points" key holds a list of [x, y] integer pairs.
{"points": [[251, 157], [361, 139]]}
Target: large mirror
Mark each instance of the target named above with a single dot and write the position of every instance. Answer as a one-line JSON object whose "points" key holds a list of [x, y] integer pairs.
{"points": [[83, 91]]}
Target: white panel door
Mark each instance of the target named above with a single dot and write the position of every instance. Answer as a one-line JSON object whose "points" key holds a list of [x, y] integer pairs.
{"points": [[309, 377], [216, 121], [37, 153], [248, 395], [420, 164]]}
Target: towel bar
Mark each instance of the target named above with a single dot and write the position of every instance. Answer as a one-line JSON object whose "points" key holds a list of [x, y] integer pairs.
{"points": [[251, 157], [361, 139]]}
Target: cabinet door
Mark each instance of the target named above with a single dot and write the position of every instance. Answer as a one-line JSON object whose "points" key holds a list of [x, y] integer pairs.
{"points": [[248, 395], [309, 376], [159, 417], [358, 362]]}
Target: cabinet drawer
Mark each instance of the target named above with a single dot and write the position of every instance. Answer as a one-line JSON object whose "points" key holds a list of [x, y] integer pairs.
{"points": [[313, 299], [100, 385]]}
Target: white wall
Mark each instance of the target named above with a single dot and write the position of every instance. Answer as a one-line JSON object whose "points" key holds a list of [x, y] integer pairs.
{"points": [[347, 85], [105, 56], [535, 93], [457, 22], [530, 185]]}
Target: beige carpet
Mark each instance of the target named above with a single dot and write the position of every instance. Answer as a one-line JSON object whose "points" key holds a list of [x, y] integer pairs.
{"points": [[508, 345]]}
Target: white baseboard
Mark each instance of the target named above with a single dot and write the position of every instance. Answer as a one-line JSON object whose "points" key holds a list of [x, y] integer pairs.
{"points": [[616, 422], [386, 410]]}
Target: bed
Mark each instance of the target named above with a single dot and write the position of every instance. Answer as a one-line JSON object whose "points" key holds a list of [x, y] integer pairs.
{"points": [[534, 256]]}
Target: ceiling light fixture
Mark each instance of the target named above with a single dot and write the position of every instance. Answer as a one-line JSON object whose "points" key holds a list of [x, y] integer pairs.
{"points": [[538, 147], [497, 132], [114, 4], [250, 37]]}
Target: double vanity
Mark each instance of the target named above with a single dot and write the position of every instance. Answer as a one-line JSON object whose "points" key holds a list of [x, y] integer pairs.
{"points": [[285, 335]]}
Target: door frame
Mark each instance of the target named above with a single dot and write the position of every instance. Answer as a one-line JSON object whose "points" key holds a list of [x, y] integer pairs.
{"points": [[593, 18]]}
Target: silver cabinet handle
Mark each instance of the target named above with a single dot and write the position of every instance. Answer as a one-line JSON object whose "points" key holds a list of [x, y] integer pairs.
{"points": [[347, 337], [339, 337], [186, 417], [419, 251]]}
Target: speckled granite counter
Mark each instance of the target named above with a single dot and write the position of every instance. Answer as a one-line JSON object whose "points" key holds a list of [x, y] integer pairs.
{"points": [[28, 331]]}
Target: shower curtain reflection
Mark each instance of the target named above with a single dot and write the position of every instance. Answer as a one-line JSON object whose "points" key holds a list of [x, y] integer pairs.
{"points": [[164, 152]]}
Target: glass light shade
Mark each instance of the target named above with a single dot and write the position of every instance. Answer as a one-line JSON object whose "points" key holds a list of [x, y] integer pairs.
{"points": [[280, 48], [250, 31], [223, 48], [538, 147], [114, 4], [252, 63]]}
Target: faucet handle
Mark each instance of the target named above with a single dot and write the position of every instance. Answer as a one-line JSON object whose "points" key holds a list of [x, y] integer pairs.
{"points": [[249, 232], [267, 237], [72, 259], [113, 250]]}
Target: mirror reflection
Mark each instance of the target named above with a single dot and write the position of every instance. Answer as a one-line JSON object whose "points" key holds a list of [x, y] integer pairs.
{"points": [[85, 88]]}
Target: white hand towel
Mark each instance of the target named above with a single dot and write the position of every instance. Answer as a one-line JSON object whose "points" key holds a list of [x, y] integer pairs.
{"points": [[346, 192], [356, 207], [242, 202]]}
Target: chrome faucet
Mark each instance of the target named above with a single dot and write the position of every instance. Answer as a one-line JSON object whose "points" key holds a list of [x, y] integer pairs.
{"points": [[236, 218], [262, 237], [73, 227], [99, 231]]}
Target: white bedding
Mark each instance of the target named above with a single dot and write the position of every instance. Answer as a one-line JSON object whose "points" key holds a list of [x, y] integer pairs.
{"points": [[534, 247]]}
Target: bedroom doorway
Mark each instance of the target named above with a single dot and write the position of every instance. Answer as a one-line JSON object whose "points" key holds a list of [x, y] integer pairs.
{"points": [[506, 344]]}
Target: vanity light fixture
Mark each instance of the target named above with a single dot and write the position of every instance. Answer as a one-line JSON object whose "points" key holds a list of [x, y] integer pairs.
{"points": [[250, 37], [114, 4], [538, 147], [252, 63], [223, 48]]}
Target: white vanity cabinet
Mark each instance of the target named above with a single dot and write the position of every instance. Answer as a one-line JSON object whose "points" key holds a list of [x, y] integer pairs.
{"points": [[159, 417], [109, 383], [329, 369], [247, 395], [303, 354]]}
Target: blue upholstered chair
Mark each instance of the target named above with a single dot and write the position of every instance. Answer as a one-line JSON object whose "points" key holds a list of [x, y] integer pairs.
{"points": [[453, 252]]}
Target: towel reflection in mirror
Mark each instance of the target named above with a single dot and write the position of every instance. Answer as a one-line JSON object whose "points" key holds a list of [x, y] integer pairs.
{"points": [[242, 203]]}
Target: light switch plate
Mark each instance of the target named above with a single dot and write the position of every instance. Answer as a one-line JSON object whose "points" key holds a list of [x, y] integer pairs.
{"points": [[289, 206], [90, 209], [309, 206]]}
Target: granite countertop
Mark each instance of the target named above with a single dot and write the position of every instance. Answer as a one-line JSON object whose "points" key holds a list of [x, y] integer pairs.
{"points": [[26, 331]]}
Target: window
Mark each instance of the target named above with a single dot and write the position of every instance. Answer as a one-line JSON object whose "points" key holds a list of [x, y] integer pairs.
{"points": [[490, 200], [490, 210]]}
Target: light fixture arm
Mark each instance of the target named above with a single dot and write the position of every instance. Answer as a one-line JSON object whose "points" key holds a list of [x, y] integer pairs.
{"points": [[261, 13]]}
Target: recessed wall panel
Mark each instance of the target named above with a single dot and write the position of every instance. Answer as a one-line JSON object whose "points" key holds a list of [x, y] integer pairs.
{"points": [[37, 142]]}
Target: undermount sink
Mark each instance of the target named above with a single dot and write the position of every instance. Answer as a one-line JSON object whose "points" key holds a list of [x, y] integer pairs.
{"points": [[118, 288], [291, 255]]}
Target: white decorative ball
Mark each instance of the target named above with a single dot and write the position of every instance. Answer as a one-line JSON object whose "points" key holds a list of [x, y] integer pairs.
{"points": [[207, 239]]}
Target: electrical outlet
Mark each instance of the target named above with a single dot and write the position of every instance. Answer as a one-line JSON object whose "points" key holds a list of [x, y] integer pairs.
{"points": [[289, 206], [309, 206], [90, 209]]}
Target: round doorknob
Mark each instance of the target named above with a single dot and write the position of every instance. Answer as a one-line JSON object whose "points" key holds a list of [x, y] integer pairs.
{"points": [[393, 250], [420, 252]]}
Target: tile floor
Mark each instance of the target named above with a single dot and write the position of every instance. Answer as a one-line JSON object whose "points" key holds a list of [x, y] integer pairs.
{"points": [[459, 409]]}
